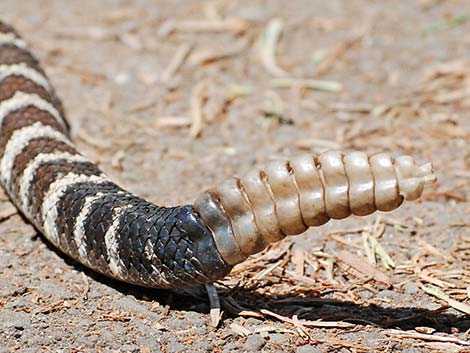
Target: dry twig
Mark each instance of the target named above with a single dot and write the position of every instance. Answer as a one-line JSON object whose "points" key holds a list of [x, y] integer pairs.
{"points": [[269, 41]]}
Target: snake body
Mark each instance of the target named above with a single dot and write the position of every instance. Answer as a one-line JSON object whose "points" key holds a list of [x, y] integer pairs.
{"points": [[101, 225]]}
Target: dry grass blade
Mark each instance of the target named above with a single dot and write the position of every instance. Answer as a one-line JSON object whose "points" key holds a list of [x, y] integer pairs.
{"points": [[351, 107], [116, 316], [443, 347], [172, 122], [58, 305], [268, 270], [240, 330], [309, 323], [374, 249], [338, 52], [269, 41], [422, 336], [361, 265], [176, 62], [233, 91], [327, 324], [465, 308], [427, 276], [387, 261], [205, 56], [234, 25], [318, 85], [267, 328], [298, 259], [369, 247], [300, 328], [197, 101], [344, 231]]}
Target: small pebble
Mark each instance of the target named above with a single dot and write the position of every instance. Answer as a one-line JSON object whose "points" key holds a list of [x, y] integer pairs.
{"points": [[131, 348], [254, 343], [231, 347], [309, 349], [175, 347], [411, 288], [86, 323], [365, 294], [411, 350], [278, 338], [386, 293]]}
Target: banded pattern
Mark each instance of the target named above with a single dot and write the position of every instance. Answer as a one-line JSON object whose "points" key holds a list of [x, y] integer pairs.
{"points": [[74, 204], [287, 197], [120, 235]]}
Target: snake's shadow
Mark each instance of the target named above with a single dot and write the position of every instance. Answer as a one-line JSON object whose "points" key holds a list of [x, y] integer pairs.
{"points": [[305, 305]]}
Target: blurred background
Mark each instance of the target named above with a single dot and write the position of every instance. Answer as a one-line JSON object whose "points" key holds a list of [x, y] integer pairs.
{"points": [[171, 97]]}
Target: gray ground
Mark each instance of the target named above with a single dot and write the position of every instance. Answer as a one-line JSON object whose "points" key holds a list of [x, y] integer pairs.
{"points": [[404, 67]]}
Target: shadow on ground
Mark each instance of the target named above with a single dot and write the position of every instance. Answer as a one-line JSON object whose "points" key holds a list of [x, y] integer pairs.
{"points": [[307, 306]]}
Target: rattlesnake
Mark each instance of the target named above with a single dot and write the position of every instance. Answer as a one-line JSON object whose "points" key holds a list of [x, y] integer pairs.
{"points": [[101, 225]]}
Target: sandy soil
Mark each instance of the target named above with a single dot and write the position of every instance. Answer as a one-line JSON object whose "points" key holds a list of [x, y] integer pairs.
{"points": [[398, 80]]}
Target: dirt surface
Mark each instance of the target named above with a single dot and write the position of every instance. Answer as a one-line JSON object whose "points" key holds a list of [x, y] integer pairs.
{"points": [[398, 79]]}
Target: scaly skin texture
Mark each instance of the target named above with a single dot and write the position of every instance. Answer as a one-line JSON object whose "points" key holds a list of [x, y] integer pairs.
{"points": [[98, 223], [75, 205]]}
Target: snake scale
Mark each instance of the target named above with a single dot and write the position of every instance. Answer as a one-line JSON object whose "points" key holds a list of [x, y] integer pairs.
{"points": [[120, 235]]}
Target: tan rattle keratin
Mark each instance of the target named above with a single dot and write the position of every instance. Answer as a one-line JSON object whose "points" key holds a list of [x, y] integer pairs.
{"points": [[247, 214]]}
